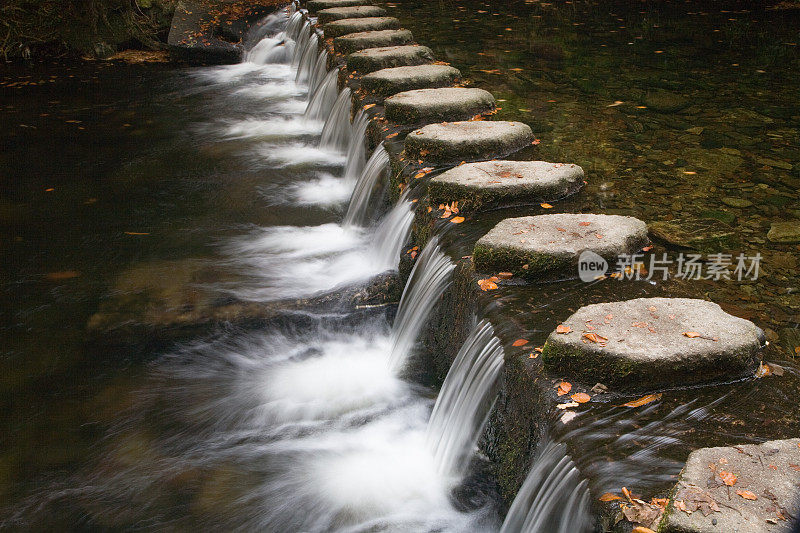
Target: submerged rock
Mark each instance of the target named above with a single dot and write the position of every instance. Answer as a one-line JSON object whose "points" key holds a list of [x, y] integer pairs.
{"points": [[665, 101], [345, 26], [746, 489], [435, 105], [551, 245], [701, 234], [453, 142], [784, 232], [654, 343], [489, 184], [373, 59], [353, 42], [398, 79], [354, 12]]}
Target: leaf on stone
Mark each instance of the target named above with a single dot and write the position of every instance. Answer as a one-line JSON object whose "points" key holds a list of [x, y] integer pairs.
{"points": [[690, 499], [546, 206], [457, 220], [505, 275], [644, 400], [567, 405], [594, 337], [581, 397], [519, 342], [584, 223], [642, 529], [729, 478], [561, 328], [746, 494], [640, 512], [487, 285], [567, 416], [691, 334], [563, 388], [608, 497]]}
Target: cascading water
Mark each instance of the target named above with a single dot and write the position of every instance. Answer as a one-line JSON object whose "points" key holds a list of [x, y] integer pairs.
{"points": [[303, 36], [553, 499], [429, 278], [338, 132], [296, 21], [307, 59], [318, 72], [391, 234], [464, 402], [323, 99], [375, 170], [356, 148]]}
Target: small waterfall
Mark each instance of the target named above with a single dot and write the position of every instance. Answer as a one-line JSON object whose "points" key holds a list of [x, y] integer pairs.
{"points": [[463, 405], [294, 25], [271, 50], [356, 148], [307, 59], [337, 132], [553, 499], [374, 172], [429, 278], [392, 233], [324, 98], [318, 72], [303, 37]]}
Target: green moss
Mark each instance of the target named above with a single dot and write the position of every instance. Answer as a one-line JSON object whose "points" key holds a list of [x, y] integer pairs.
{"points": [[499, 259]]}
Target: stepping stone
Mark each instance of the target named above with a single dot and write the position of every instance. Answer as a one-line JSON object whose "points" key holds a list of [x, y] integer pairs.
{"points": [[341, 27], [318, 5], [453, 142], [489, 184], [550, 246], [654, 343], [398, 79], [373, 59], [353, 42], [762, 498], [354, 12], [436, 105]]}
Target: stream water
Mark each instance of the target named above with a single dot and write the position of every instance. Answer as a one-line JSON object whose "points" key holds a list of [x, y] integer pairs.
{"points": [[143, 194]]}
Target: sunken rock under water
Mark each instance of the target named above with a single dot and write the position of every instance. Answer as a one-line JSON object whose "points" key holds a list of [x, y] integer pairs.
{"points": [[435, 105], [453, 142]]}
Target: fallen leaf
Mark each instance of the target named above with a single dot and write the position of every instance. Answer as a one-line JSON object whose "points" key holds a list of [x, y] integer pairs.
{"points": [[746, 494], [567, 417], [487, 284], [599, 388], [642, 529], [764, 370], [505, 275], [519, 342], [457, 220], [546, 206], [729, 478], [58, 276], [563, 388], [561, 328], [136, 233], [608, 497], [594, 337], [567, 405], [691, 334], [368, 106], [581, 397], [644, 400], [690, 499], [584, 223]]}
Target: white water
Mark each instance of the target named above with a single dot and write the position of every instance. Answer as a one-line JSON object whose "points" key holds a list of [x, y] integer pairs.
{"points": [[323, 98], [375, 171], [338, 132], [464, 402], [356, 148]]}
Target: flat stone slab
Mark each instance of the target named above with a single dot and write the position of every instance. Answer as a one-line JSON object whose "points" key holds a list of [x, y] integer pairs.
{"points": [[435, 105], [654, 343], [453, 142], [353, 42], [353, 12], [398, 79], [762, 499], [373, 59], [784, 232], [337, 28], [318, 5], [548, 246], [702, 234], [489, 184]]}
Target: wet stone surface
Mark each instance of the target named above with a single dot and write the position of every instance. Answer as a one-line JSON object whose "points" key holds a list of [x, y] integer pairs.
{"points": [[353, 42], [453, 142], [506, 183], [434, 105], [337, 13], [398, 79], [701, 234], [344, 26], [653, 343], [373, 59], [550, 245], [784, 232], [318, 5], [743, 489]]}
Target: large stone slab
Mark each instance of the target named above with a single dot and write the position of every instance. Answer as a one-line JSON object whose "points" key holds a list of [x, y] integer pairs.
{"points": [[654, 343], [435, 105], [398, 79], [341, 27], [353, 42], [353, 12], [762, 499], [373, 59], [318, 5], [452, 142], [489, 184], [549, 246]]}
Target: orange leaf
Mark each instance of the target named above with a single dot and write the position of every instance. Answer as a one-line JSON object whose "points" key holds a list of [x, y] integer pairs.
{"points": [[395, 134], [594, 337], [487, 284], [608, 497], [546, 206], [561, 328], [564, 387], [368, 106], [642, 529], [746, 494], [644, 400], [58, 276], [520, 342], [505, 275], [457, 220], [691, 334], [584, 223], [729, 478], [581, 397]]}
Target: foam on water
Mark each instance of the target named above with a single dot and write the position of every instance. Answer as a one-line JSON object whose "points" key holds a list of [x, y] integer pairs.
{"points": [[274, 127], [324, 190]]}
